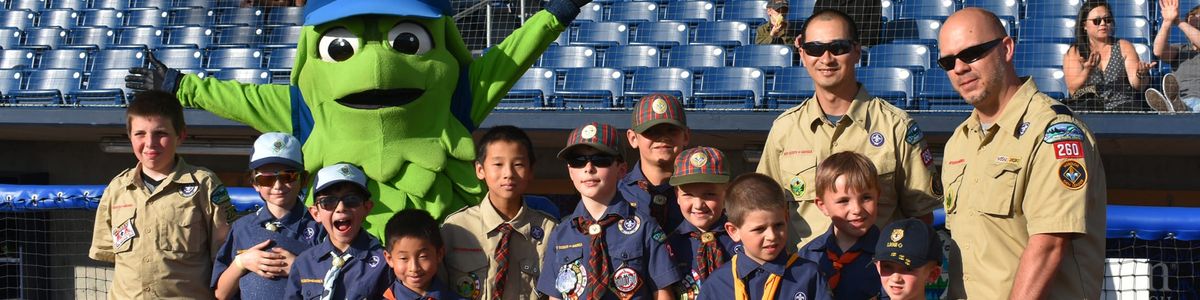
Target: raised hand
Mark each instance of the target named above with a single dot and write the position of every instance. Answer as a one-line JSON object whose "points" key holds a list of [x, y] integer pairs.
{"points": [[156, 78], [1170, 10], [1092, 61]]}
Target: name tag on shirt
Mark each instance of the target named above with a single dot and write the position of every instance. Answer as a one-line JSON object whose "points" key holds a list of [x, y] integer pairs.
{"points": [[123, 233]]}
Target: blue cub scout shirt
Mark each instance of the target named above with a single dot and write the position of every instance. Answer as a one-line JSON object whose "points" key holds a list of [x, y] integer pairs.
{"points": [[860, 279], [643, 200], [685, 251], [799, 281], [436, 290], [364, 276], [296, 232]]}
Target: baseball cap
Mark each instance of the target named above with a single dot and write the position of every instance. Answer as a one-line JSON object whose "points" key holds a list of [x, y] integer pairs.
{"points": [[700, 164], [909, 242], [337, 173], [277, 148], [597, 135], [322, 11], [654, 109], [777, 4]]}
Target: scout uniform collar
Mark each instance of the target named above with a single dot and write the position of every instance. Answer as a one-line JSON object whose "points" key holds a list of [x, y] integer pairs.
{"points": [[857, 113], [685, 227], [1010, 119], [359, 248], [133, 178], [401, 291], [635, 174], [263, 215], [746, 266], [492, 219], [865, 243], [617, 206]]}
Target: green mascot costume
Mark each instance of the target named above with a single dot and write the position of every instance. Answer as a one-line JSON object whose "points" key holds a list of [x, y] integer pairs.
{"points": [[385, 85]]}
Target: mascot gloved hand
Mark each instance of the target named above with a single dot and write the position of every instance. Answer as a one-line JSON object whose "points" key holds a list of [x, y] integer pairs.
{"points": [[387, 85]]}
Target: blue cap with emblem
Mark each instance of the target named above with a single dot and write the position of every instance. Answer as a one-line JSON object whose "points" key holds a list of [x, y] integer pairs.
{"points": [[337, 173], [277, 148], [322, 11], [909, 242]]}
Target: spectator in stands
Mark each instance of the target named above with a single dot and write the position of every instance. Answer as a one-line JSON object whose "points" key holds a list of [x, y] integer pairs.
{"points": [[1025, 188], [1102, 71], [776, 30], [867, 14], [260, 3], [1181, 89], [162, 220], [842, 116]]}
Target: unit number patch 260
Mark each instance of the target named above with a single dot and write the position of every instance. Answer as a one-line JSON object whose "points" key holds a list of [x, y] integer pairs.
{"points": [[1068, 149]]}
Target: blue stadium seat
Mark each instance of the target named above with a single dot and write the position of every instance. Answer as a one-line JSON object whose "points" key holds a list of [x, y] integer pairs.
{"points": [[145, 37], [151, 17], [44, 37], [1052, 8], [31, 5], [237, 36], [65, 18], [244, 16], [533, 89], [118, 59], [189, 37], [1047, 30], [1049, 80], [10, 38], [234, 58], [111, 4], [194, 3], [19, 19], [592, 12], [690, 11], [10, 80], [936, 91], [914, 57], [69, 4], [912, 31], [591, 87], [723, 33], [927, 9], [75, 59], [17, 58], [162, 4], [1005, 9], [180, 58], [104, 17], [733, 87], [281, 59], [105, 87], [564, 38], [560, 57], [631, 57], [1040, 54], [292, 15], [49, 86], [224, 3], [753, 12], [661, 34], [188, 16], [892, 84], [798, 11], [601, 34], [1135, 30], [251, 76], [769, 58], [633, 12], [792, 86], [696, 56], [671, 81], [1144, 52], [1139, 9]]}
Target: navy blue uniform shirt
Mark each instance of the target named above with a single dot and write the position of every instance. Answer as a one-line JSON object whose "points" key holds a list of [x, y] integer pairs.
{"points": [[296, 232], [436, 290], [685, 250], [635, 242], [643, 199], [365, 275], [860, 279], [799, 281]]}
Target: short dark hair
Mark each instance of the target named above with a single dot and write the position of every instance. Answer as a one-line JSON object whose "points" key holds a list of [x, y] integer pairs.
{"points": [[413, 223], [750, 192], [155, 104], [826, 14], [506, 133]]}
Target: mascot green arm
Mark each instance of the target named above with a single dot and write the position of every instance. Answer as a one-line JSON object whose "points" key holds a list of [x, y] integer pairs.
{"points": [[496, 72], [266, 107]]}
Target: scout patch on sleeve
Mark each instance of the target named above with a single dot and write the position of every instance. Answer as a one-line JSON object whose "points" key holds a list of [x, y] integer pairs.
{"points": [[1072, 174], [659, 235], [123, 233], [219, 195], [1068, 149], [914, 134], [1064, 131]]}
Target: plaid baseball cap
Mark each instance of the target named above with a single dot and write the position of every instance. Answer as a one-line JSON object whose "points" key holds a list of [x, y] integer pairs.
{"points": [[909, 242], [277, 148], [337, 173], [700, 164], [777, 4], [597, 135], [654, 109]]}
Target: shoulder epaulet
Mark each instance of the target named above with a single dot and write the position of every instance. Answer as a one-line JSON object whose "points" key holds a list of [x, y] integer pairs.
{"points": [[790, 111], [1061, 109], [544, 214], [459, 211]]}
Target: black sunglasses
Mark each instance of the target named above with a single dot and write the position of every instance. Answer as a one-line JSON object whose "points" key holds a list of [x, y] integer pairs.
{"points": [[837, 47], [969, 55], [330, 202], [598, 160], [1108, 19]]}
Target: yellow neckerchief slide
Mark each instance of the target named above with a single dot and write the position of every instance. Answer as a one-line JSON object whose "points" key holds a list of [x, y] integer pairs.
{"points": [[769, 289]]}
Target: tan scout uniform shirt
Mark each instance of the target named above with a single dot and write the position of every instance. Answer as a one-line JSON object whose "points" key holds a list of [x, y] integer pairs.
{"points": [[471, 245], [163, 242], [802, 136], [1036, 170]]}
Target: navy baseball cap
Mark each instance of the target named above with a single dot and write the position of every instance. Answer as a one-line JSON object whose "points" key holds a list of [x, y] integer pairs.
{"points": [[909, 242], [323, 11]]}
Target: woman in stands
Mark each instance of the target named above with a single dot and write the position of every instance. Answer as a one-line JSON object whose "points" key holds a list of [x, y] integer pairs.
{"points": [[1103, 72]]}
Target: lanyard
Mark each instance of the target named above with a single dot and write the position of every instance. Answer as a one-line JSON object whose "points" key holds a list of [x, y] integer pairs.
{"points": [[769, 289]]}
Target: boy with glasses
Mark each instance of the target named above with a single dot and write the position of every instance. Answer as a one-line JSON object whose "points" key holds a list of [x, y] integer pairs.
{"points": [[265, 243], [842, 116], [605, 249], [350, 264]]}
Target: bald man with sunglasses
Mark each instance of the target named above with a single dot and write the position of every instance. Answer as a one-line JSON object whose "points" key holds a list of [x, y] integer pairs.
{"points": [[1024, 184], [842, 116]]}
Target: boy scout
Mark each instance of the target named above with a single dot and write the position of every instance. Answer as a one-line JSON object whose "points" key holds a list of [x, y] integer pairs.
{"points": [[495, 248], [350, 263], [841, 116], [700, 244], [265, 244], [659, 131], [847, 191], [1025, 187], [907, 259], [414, 251], [605, 249], [162, 220], [763, 270]]}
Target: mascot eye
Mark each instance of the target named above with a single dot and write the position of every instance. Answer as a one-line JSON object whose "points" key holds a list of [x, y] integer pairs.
{"points": [[338, 44], [410, 38]]}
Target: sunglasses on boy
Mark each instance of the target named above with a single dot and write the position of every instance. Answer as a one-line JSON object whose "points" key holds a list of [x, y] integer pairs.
{"points": [[1108, 19], [269, 178], [598, 160], [837, 47], [330, 203], [969, 55]]}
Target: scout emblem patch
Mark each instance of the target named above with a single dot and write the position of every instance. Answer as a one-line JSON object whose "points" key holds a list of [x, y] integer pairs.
{"points": [[588, 132], [594, 229], [123, 233], [630, 225], [374, 261], [659, 235], [1072, 174], [1062, 132], [571, 280], [796, 185], [537, 233], [691, 286], [469, 286], [897, 234], [272, 226], [188, 190], [913, 135], [737, 249], [1068, 149], [1021, 130], [659, 199], [277, 147], [309, 233], [698, 159], [926, 157], [707, 237], [800, 296], [659, 106], [219, 195], [626, 281], [876, 139]]}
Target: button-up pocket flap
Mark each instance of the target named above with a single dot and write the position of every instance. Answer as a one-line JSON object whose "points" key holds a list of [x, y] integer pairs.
{"points": [[312, 293], [798, 164], [628, 254], [467, 263], [529, 266], [799, 172], [566, 256], [998, 193]]}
